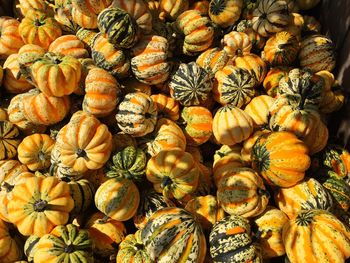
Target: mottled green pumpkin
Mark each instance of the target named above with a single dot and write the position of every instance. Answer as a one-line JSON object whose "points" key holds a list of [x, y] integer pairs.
{"points": [[9, 140]]}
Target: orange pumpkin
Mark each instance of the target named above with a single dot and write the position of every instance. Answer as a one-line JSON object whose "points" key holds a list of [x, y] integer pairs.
{"points": [[173, 8], [88, 21], [91, 7], [69, 45], [246, 152], [213, 59], [10, 40], [258, 109], [167, 107], [27, 55], [225, 13], [272, 79], [236, 44]]}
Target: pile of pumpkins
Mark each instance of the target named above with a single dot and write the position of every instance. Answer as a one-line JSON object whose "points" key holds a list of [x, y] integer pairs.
{"points": [[170, 131]]}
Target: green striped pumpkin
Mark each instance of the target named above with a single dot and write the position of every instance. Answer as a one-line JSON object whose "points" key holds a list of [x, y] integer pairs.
{"points": [[31, 246], [172, 235], [9, 140], [190, 85], [230, 241], [129, 163], [339, 189], [65, 244], [120, 27]]}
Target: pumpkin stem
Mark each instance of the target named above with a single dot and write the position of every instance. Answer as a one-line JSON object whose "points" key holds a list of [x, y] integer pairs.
{"points": [[138, 246], [37, 22], [69, 249], [81, 153], [39, 206], [166, 181]]}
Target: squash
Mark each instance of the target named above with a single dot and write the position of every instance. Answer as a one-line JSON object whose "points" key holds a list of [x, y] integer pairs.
{"points": [[311, 25], [307, 4], [230, 241], [247, 147], [202, 6], [316, 236], [173, 8], [35, 196], [10, 249], [231, 125], [39, 29], [234, 86], [130, 85], [270, 17], [258, 42], [36, 5], [118, 198], [10, 169], [179, 237], [85, 144], [119, 26], [173, 172], [280, 158], [213, 59], [149, 62], [27, 55], [63, 15], [296, 24], [65, 243], [272, 79], [236, 44], [69, 45], [317, 53], [30, 247], [88, 7], [258, 109], [122, 140], [167, 107], [317, 139], [9, 140], [34, 151], [82, 20], [10, 39], [136, 114], [225, 13]]}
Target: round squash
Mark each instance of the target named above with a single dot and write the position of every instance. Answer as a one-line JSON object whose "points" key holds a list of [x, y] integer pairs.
{"points": [[167, 107], [236, 44], [258, 42], [10, 249], [225, 13], [9, 140], [82, 20], [173, 8], [258, 109], [69, 45], [10, 169], [272, 79], [247, 147], [88, 7], [27, 55], [213, 59], [10, 39]]}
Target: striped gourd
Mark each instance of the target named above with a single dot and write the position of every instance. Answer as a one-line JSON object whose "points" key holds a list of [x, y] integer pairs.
{"points": [[9, 140], [65, 243], [230, 241], [272, 79], [69, 45], [339, 189], [258, 109], [30, 247], [171, 235], [225, 13], [88, 7], [247, 147], [317, 139], [121, 140], [10, 169], [316, 236], [11, 246], [63, 15], [173, 8], [231, 125], [118, 198], [236, 44], [86, 36], [10, 39], [242, 192], [234, 86], [213, 59], [85, 21], [27, 55], [256, 39], [167, 107], [119, 26]]}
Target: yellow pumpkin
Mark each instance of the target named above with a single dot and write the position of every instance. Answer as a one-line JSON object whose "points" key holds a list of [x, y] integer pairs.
{"points": [[225, 13], [237, 44], [10, 246], [258, 109], [173, 8], [10, 39], [69, 45]]}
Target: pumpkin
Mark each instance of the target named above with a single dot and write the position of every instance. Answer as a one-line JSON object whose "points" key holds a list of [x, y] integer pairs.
{"points": [[131, 249], [198, 33], [258, 109], [34, 151], [166, 135], [317, 139], [27, 55], [316, 236], [130, 85], [167, 107], [213, 59], [39, 29], [37, 5], [118, 198], [10, 39], [173, 172], [270, 17], [88, 7], [101, 92], [317, 53], [179, 237], [272, 79], [246, 26], [39, 204], [246, 152], [202, 6], [119, 26], [63, 15], [198, 124], [231, 125], [108, 57], [296, 24], [85, 21], [307, 4], [230, 241], [234, 86], [10, 169], [225, 13], [65, 243], [9, 140], [106, 233], [281, 49], [69, 45], [30, 247], [136, 114], [10, 245], [149, 63], [236, 44], [173, 8], [84, 143], [122, 140], [269, 226]]}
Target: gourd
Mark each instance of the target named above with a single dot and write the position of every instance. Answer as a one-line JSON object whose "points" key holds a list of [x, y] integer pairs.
{"points": [[258, 109], [236, 44], [10, 249], [213, 59], [225, 13], [10, 39], [9, 140], [69, 45]]}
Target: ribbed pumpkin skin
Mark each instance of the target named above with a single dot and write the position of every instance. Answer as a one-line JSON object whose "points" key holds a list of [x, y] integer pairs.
{"points": [[269, 229], [280, 158], [247, 147], [101, 93], [89, 7], [27, 55], [173, 8], [149, 63], [225, 13], [119, 26], [230, 241], [10, 169], [69, 45], [150, 203], [167, 107], [306, 195], [317, 139], [246, 26], [317, 53], [10, 250], [65, 244], [35, 150], [236, 44], [234, 86], [173, 172], [202, 6], [85, 144], [34, 196], [337, 159], [30, 247], [316, 236], [118, 198], [340, 191], [132, 250], [270, 17], [63, 16], [10, 39], [272, 79], [82, 192], [198, 33], [172, 234], [9, 140], [137, 114], [281, 49], [84, 21], [231, 125], [258, 109], [36, 28], [213, 59], [106, 233], [242, 192]]}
